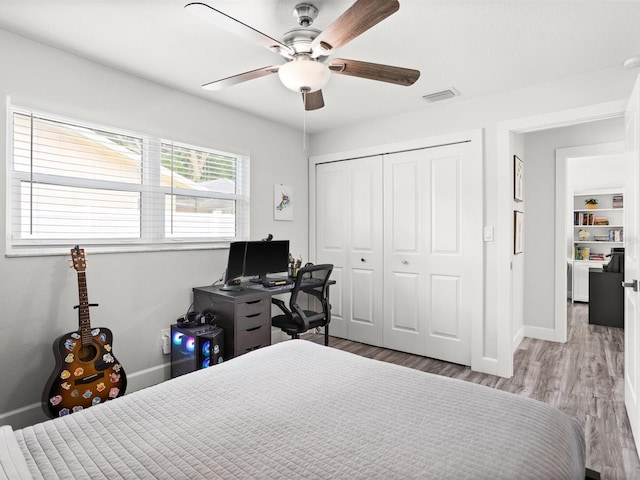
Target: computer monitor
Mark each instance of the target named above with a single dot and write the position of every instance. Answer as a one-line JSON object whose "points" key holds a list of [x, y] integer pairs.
{"points": [[235, 262], [262, 258]]}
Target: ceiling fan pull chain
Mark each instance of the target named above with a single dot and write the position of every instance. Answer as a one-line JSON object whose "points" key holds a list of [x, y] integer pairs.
{"points": [[304, 119]]}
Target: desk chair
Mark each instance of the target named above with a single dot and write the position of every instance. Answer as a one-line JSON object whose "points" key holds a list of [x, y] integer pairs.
{"points": [[295, 320]]}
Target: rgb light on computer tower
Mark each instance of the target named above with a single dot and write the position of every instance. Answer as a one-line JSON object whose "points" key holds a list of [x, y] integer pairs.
{"points": [[211, 345], [194, 348]]}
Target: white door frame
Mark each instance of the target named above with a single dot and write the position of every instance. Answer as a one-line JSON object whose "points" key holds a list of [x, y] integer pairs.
{"points": [[562, 225], [478, 362], [504, 227]]}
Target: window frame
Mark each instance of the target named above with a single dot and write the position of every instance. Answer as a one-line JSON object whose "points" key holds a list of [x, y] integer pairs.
{"points": [[152, 196]]}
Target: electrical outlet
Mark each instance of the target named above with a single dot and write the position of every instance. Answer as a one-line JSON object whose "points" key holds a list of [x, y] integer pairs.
{"points": [[166, 340]]}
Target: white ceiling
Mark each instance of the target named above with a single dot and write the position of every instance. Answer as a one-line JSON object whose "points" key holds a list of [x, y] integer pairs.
{"points": [[480, 47]]}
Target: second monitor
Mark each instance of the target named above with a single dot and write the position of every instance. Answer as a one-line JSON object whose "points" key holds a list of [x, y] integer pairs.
{"points": [[247, 259], [263, 258]]}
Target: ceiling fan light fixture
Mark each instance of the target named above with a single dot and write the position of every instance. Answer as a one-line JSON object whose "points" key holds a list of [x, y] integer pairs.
{"points": [[304, 74]]}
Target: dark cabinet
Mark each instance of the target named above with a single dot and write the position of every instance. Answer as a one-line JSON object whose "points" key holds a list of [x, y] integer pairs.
{"points": [[606, 298], [244, 316]]}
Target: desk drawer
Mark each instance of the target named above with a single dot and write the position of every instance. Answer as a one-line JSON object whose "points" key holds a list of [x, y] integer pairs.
{"points": [[251, 339], [251, 308], [250, 322]]}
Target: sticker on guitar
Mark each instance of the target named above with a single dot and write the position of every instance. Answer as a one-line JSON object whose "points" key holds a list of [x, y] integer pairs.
{"points": [[86, 372]]}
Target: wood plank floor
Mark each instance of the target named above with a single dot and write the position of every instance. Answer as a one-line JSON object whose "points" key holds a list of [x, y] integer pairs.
{"points": [[583, 378]]}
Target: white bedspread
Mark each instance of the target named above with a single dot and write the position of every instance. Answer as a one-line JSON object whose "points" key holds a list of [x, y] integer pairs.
{"points": [[300, 410]]}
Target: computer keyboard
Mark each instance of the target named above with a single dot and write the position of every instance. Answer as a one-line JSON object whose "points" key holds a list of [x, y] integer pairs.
{"points": [[307, 282], [259, 286]]}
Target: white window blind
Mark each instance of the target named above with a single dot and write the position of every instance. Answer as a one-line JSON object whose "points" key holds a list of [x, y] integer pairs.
{"points": [[71, 182]]}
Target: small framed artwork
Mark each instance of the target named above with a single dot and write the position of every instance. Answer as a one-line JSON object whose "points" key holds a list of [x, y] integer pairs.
{"points": [[282, 202], [518, 178], [518, 232]]}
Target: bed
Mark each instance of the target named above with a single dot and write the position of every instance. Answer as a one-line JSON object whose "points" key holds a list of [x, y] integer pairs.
{"points": [[300, 410]]}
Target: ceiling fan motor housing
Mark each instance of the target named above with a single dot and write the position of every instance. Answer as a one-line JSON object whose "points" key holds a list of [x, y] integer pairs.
{"points": [[305, 13], [299, 39]]}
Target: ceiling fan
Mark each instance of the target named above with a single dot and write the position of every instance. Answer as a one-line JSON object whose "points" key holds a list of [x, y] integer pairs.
{"points": [[306, 49]]}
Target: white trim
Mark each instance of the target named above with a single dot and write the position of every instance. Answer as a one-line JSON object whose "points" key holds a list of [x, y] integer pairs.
{"points": [[478, 361], [151, 234], [18, 411], [562, 219], [32, 413], [505, 209], [519, 336], [540, 333]]}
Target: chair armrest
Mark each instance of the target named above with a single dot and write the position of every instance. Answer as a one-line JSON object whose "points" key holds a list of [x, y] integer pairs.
{"points": [[281, 305]]}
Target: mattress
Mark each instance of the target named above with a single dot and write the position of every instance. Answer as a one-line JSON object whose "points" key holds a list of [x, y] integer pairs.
{"points": [[301, 410]]}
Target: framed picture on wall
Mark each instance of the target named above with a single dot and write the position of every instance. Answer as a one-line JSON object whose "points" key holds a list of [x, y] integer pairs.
{"points": [[518, 232], [282, 202], [518, 178]]}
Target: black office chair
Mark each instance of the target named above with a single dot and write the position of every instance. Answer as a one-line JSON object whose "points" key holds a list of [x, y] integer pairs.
{"points": [[312, 280]]}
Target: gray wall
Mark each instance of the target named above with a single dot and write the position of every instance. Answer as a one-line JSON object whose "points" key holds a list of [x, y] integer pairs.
{"points": [[139, 293], [540, 166]]}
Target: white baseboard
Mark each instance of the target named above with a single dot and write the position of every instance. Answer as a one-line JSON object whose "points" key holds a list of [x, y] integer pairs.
{"points": [[33, 413], [518, 338], [541, 333]]}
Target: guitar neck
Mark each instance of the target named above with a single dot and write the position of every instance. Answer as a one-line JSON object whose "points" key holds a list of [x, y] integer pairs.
{"points": [[84, 319]]}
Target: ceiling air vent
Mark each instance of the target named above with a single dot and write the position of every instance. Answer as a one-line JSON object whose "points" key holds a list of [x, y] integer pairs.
{"points": [[443, 95]]}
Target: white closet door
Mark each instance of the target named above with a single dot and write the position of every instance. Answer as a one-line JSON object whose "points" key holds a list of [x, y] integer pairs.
{"points": [[405, 237], [349, 231], [427, 252]]}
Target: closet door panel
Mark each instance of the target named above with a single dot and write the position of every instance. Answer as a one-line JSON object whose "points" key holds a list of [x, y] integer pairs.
{"points": [[365, 249], [448, 263], [445, 306], [362, 295], [426, 237], [404, 308], [349, 231], [445, 205], [332, 238], [403, 252]]}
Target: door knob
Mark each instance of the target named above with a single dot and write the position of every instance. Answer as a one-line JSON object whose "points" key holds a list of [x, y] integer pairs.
{"points": [[633, 284], [362, 260]]}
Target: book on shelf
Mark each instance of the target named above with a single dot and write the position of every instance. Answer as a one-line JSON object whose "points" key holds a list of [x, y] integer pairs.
{"points": [[584, 218], [597, 257], [582, 253], [618, 201]]}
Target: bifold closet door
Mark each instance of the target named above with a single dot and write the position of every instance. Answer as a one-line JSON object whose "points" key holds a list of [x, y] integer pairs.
{"points": [[427, 253], [349, 235]]}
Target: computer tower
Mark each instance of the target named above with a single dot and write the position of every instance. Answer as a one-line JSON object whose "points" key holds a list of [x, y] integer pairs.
{"points": [[195, 348]]}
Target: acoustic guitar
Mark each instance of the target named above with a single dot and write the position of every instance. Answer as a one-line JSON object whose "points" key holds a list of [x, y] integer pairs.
{"points": [[87, 372]]}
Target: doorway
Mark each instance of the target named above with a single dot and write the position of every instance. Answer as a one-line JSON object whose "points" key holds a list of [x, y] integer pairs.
{"points": [[552, 158], [511, 276], [585, 160]]}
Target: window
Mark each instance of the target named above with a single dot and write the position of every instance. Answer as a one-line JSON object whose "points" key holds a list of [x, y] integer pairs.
{"points": [[77, 183]]}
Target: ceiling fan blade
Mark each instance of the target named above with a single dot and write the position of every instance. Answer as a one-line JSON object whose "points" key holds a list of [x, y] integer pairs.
{"points": [[202, 10], [374, 71], [241, 77], [313, 100], [359, 18]]}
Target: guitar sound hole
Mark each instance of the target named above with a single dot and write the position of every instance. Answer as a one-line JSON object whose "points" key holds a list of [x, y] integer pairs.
{"points": [[87, 353]]}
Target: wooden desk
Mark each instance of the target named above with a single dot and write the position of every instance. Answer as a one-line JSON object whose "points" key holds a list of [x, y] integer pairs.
{"points": [[244, 315]]}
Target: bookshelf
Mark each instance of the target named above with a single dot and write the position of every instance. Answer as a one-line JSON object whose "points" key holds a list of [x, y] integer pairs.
{"points": [[595, 232]]}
